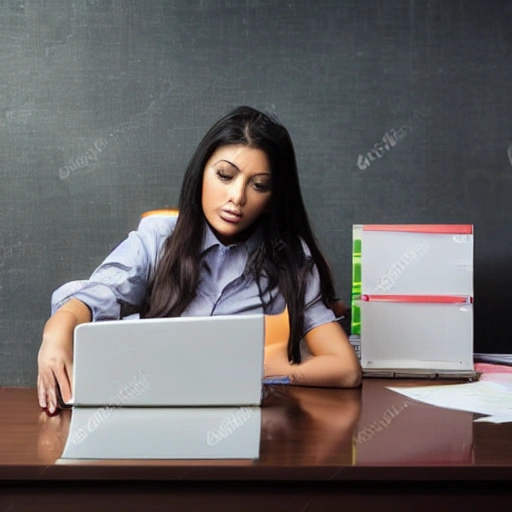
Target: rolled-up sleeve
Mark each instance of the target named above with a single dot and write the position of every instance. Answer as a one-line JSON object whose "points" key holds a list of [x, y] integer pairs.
{"points": [[315, 313], [122, 278]]}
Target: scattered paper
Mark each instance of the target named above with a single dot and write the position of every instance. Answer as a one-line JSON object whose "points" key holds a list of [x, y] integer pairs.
{"points": [[495, 419], [498, 380], [491, 396]]}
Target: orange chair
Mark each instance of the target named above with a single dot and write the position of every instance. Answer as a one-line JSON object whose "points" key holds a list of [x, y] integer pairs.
{"points": [[171, 212], [167, 212], [277, 328]]}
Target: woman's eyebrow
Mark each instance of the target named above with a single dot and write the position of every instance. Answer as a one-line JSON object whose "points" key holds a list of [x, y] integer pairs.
{"points": [[265, 173], [230, 163]]}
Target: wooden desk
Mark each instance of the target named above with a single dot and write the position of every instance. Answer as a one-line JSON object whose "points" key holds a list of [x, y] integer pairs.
{"points": [[321, 449]]}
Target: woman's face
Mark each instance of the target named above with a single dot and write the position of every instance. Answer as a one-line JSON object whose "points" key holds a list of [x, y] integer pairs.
{"points": [[237, 187]]}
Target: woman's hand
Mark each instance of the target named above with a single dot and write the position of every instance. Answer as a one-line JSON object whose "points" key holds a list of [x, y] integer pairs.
{"points": [[55, 358], [55, 364], [276, 360]]}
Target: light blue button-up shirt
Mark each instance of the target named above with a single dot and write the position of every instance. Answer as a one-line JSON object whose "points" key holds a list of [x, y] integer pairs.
{"points": [[224, 285]]}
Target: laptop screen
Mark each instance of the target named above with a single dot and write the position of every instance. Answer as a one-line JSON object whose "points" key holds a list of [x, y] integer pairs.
{"points": [[183, 361]]}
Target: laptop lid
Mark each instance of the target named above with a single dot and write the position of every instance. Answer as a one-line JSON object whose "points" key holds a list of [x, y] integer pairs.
{"points": [[184, 361], [417, 336]]}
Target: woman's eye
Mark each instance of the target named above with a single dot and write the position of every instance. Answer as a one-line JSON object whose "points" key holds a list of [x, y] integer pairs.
{"points": [[224, 176], [262, 186]]}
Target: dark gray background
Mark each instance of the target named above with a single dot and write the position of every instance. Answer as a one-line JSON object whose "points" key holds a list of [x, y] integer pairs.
{"points": [[103, 101]]}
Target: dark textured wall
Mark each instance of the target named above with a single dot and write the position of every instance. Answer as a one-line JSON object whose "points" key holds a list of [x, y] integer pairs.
{"points": [[399, 112]]}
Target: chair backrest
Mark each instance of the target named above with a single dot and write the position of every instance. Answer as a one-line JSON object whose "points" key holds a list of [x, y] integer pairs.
{"points": [[171, 212], [277, 328], [167, 212]]}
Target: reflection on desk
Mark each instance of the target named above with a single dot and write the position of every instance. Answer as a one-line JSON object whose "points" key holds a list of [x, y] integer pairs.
{"points": [[163, 433], [367, 448], [328, 417], [305, 434], [395, 430]]}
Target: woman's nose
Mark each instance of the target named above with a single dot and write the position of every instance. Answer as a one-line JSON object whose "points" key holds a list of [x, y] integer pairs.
{"points": [[238, 193]]}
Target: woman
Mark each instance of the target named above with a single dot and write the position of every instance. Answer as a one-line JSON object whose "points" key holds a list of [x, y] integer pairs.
{"points": [[242, 243]]}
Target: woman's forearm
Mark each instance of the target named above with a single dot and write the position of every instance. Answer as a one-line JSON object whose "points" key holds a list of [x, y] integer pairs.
{"points": [[323, 370], [65, 319], [326, 371]]}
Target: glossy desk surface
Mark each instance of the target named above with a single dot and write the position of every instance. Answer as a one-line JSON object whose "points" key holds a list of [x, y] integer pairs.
{"points": [[368, 434]]}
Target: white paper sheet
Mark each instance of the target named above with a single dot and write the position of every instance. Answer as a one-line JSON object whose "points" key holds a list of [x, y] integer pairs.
{"points": [[495, 419], [492, 396]]}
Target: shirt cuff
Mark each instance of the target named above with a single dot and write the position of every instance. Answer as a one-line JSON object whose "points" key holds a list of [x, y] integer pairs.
{"points": [[98, 297]]}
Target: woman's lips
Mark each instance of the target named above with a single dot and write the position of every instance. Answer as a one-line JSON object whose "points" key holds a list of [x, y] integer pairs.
{"points": [[230, 216]]}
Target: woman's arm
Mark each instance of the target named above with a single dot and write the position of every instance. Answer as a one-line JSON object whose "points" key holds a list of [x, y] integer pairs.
{"points": [[333, 362], [55, 358], [115, 288]]}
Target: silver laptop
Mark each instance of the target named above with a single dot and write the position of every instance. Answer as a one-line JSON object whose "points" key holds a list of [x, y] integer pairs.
{"points": [[184, 361]]}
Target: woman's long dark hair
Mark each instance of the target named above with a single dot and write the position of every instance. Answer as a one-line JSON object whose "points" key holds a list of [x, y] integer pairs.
{"points": [[280, 258]]}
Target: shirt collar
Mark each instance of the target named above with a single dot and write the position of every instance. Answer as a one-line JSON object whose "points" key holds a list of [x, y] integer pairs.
{"points": [[252, 243]]}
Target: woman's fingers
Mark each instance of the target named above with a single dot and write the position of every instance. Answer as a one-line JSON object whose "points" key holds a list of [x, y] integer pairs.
{"points": [[62, 375], [48, 384], [52, 398], [46, 392], [41, 393], [53, 381]]}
